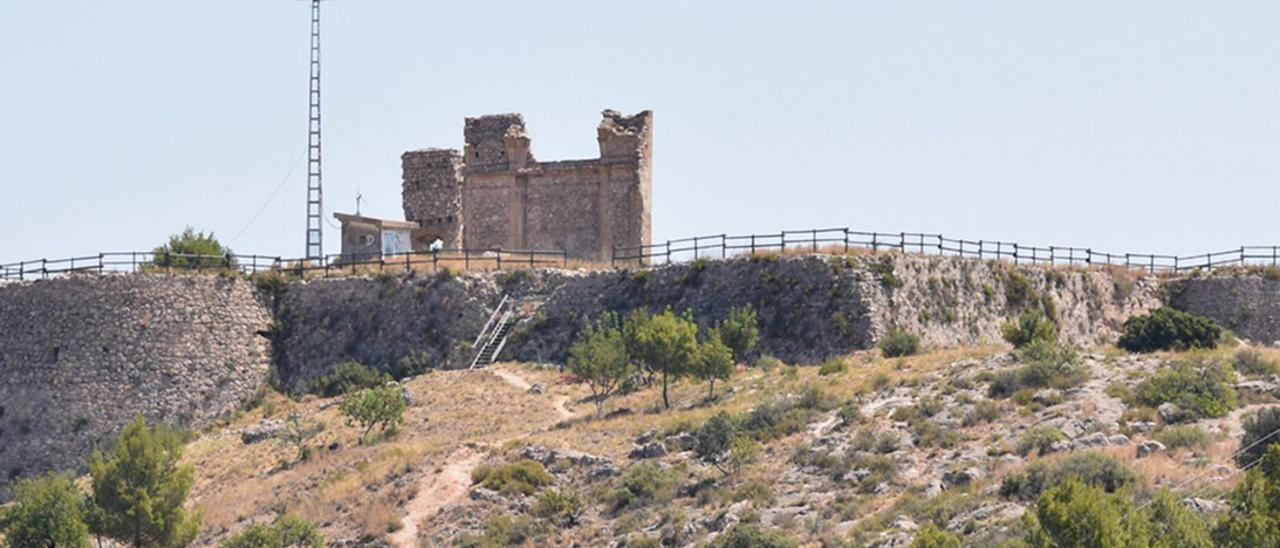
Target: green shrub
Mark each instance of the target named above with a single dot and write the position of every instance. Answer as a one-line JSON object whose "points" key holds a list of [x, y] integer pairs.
{"points": [[1168, 329], [775, 418], [1096, 469], [850, 413], [898, 343], [524, 476], [740, 331], [558, 507], [983, 411], [930, 536], [644, 484], [286, 532], [1253, 363], [192, 250], [1200, 386], [349, 376], [1039, 438], [746, 535], [1092, 468], [1183, 437], [1018, 292], [1254, 506], [1030, 326], [715, 437], [928, 434], [833, 366], [814, 398], [381, 407], [46, 511], [1173, 525], [1045, 365], [882, 468], [502, 531], [1259, 434], [1075, 514]]}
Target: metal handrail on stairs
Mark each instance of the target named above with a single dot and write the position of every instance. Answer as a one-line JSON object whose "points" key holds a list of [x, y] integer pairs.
{"points": [[496, 320]]}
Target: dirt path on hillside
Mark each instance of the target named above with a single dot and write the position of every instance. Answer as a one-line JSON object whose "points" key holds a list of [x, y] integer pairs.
{"points": [[519, 382], [436, 490], [443, 486]]}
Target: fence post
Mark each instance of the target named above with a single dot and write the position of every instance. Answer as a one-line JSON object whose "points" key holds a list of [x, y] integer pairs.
{"points": [[815, 240], [695, 248], [668, 251], [846, 240], [782, 237], [902, 242], [940, 245], [875, 244], [1241, 255], [724, 246], [753, 244], [1273, 255]]}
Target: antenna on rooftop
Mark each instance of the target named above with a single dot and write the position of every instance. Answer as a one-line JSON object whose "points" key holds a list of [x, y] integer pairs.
{"points": [[315, 192]]}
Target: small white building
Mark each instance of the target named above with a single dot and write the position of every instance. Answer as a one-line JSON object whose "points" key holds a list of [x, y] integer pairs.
{"points": [[368, 238]]}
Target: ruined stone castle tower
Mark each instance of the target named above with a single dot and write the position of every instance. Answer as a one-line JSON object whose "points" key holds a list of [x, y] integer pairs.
{"points": [[495, 194]]}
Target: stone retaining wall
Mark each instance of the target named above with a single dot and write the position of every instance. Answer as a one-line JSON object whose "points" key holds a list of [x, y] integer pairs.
{"points": [[81, 356]]}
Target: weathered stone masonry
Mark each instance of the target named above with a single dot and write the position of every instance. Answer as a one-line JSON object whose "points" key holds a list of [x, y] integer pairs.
{"points": [[79, 357], [495, 194]]}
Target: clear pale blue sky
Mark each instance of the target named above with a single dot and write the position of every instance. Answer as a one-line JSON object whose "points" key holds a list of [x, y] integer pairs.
{"points": [[1127, 126]]}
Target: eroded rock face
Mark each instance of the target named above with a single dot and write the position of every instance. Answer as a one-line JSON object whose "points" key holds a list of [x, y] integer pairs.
{"points": [[81, 356], [394, 324]]}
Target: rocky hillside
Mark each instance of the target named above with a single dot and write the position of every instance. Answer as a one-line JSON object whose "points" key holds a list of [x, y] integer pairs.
{"points": [[862, 451]]}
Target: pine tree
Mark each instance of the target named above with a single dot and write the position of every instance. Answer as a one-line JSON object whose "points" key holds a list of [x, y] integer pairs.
{"points": [[139, 489]]}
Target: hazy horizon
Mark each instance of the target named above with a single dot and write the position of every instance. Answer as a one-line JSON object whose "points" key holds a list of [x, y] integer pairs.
{"points": [[1141, 127]]}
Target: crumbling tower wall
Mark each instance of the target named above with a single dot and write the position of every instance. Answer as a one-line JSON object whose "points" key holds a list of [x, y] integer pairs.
{"points": [[432, 196], [508, 199]]}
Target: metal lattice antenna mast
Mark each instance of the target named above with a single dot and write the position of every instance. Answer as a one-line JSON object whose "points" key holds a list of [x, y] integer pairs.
{"points": [[315, 192]]}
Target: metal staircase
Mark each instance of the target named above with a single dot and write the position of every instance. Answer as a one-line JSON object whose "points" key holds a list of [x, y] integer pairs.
{"points": [[488, 345]]}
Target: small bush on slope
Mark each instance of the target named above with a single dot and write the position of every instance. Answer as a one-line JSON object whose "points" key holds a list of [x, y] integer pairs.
{"points": [[1168, 329], [1045, 365], [1261, 430], [898, 343], [1200, 386], [1030, 326], [524, 476]]}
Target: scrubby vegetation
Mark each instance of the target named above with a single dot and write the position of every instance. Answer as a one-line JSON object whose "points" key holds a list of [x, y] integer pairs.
{"points": [[347, 377], [285, 532], [1168, 329], [1199, 385], [1253, 363], [524, 476], [1261, 430], [1045, 365], [192, 250], [897, 343], [1032, 326]]}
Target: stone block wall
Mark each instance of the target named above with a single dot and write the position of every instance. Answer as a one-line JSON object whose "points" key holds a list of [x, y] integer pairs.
{"points": [[1247, 304], [432, 196], [81, 356]]}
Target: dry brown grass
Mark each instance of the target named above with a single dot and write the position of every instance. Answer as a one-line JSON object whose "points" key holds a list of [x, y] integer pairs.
{"points": [[353, 487]]}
